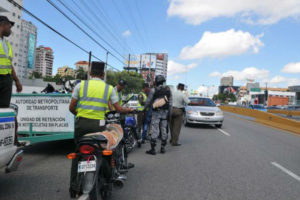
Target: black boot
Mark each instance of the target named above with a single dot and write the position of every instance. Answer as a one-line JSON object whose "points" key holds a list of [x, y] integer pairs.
{"points": [[163, 145], [152, 150]]}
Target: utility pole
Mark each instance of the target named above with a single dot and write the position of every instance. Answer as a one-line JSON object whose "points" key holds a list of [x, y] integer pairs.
{"points": [[128, 64], [89, 66], [105, 74], [150, 77]]}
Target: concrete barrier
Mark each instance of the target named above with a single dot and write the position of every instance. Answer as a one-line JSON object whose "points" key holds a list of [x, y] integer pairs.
{"points": [[266, 118], [288, 113]]}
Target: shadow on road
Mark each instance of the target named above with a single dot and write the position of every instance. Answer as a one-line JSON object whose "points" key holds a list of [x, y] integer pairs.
{"points": [[202, 126]]}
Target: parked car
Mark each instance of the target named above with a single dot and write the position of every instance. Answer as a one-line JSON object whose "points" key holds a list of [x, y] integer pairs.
{"points": [[258, 107], [292, 107], [10, 154], [203, 111]]}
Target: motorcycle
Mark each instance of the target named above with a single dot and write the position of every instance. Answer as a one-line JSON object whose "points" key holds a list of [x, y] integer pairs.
{"points": [[100, 159], [131, 133]]}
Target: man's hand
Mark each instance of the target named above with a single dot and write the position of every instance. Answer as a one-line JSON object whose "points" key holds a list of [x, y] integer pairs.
{"points": [[130, 110], [19, 86]]}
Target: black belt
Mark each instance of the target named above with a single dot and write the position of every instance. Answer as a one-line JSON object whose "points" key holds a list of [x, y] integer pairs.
{"points": [[5, 74]]}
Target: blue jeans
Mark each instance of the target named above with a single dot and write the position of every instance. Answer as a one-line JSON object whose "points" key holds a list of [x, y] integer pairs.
{"points": [[146, 123]]}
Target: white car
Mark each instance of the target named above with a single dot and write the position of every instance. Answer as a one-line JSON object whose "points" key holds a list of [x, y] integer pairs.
{"points": [[203, 111], [10, 155]]}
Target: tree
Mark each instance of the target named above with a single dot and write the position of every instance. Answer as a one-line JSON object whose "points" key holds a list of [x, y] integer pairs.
{"points": [[36, 75], [81, 74], [134, 80]]}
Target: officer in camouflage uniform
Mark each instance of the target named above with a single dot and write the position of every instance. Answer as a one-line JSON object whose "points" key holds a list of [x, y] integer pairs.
{"points": [[160, 115]]}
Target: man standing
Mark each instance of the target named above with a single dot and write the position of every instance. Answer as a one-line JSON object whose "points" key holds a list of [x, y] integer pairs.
{"points": [[141, 114], [161, 100], [120, 86], [179, 102], [7, 72], [89, 103]]}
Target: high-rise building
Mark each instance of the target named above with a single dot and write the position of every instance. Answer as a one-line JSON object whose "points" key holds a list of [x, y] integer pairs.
{"points": [[44, 60], [227, 81], [27, 48], [14, 13], [65, 71], [152, 63], [83, 65]]}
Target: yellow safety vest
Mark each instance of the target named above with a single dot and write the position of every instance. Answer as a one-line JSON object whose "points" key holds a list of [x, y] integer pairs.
{"points": [[93, 99], [119, 94], [5, 60], [141, 107]]}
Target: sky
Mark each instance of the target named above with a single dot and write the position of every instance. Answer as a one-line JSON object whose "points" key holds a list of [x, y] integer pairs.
{"points": [[205, 40]]}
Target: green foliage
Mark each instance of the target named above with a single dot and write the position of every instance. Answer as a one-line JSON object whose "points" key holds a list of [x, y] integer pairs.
{"points": [[81, 74], [36, 75], [225, 97], [134, 80]]}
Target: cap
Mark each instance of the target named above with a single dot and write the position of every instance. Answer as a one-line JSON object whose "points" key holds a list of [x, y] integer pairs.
{"points": [[97, 67], [122, 82], [5, 19]]}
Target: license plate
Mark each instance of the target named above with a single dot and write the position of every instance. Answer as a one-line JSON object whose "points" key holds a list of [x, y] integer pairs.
{"points": [[87, 166]]}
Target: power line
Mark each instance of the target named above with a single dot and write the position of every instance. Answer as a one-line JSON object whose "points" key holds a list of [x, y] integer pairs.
{"points": [[60, 34], [99, 20], [49, 1]]}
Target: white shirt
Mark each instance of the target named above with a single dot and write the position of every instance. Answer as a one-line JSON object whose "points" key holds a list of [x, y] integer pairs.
{"points": [[179, 99], [4, 45]]}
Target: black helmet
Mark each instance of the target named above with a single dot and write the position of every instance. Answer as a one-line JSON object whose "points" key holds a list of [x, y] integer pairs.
{"points": [[159, 80], [122, 82]]}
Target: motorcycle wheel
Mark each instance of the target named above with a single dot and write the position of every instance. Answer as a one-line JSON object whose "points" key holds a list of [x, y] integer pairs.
{"points": [[130, 142], [95, 194]]}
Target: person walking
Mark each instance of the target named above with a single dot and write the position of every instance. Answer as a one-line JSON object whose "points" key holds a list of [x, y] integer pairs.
{"points": [[161, 101], [7, 71], [179, 101], [89, 103], [142, 98]]}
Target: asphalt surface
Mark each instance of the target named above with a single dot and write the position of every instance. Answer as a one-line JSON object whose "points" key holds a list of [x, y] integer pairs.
{"points": [[244, 161]]}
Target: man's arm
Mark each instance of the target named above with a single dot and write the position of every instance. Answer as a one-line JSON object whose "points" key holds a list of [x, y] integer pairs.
{"points": [[186, 99], [72, 106], [115, 102], [15, 78], [149, 99]]}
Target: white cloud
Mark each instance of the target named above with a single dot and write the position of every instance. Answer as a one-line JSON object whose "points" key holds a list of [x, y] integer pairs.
{"points": [[222, 44], [210, 90], [292, 68], [176, 68], [247, 73], [250, 11], [127, 33], [215, 74], [278, 79]]}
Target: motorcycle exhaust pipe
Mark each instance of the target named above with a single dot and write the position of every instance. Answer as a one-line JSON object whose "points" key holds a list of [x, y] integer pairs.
{"points": [[119, 183]]}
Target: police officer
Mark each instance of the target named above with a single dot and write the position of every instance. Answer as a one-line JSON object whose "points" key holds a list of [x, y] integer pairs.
{"points": [[161, 100], [7, 72], [120, 86], [89, 103], [142, 98]]}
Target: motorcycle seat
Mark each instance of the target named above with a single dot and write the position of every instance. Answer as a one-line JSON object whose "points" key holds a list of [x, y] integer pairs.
{"points": [[92, 137]]}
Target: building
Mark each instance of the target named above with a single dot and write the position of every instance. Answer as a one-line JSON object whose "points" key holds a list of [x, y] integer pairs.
{"points": [[82, 64], [14, 13], [296, 89], [66, 71], [227, 81], [44, 60], [27, 48], [157, 62]]}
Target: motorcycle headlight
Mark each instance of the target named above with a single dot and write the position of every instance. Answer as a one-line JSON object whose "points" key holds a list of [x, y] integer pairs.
{"points": [[109, 116], [219, 113], [117, 115]]}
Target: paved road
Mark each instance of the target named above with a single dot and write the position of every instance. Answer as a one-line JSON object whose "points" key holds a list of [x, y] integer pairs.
{"points": [[243, 161]]}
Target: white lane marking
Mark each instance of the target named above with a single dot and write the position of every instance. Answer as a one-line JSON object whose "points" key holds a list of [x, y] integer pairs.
{"points": [[295, 176], [224, 132]]}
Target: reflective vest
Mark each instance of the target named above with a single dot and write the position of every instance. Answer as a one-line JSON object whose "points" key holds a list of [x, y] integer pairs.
{"points": [[140, 106], [93, 99], [5, 60], [119, 94]]}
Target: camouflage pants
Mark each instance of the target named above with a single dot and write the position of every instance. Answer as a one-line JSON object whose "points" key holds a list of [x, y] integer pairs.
{"points": [[159, 123]]}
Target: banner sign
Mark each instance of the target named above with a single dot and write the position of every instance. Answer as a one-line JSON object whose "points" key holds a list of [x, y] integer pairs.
{"points": [[31, 49], [7, 130], [45, 113]]}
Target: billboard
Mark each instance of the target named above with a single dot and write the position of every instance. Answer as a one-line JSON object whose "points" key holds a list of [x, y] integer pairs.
{"points": [[31, 49], [133, 61], [160, 56], [148, 61]]}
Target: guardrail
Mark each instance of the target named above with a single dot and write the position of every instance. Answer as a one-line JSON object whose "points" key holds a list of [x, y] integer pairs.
{"points": [[266, 118], [288, 113]]}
